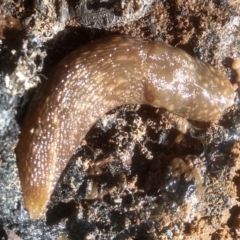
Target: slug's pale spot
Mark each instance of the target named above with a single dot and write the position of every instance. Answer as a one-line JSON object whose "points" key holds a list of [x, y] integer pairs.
{"points": [[236, 64], [83, 87]]}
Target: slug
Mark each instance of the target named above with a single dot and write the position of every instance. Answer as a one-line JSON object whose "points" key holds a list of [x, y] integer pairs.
{"points": [[96, 78]]}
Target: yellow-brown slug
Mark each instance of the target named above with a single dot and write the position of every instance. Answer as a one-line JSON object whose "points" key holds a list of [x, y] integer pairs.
{"points": [[97, 78]]}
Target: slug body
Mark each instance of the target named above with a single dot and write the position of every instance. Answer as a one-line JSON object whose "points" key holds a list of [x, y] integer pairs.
{"points": [[97, 78]]}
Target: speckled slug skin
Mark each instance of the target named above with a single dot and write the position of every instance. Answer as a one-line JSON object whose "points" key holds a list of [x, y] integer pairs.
{"points": [[94, 79]]}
